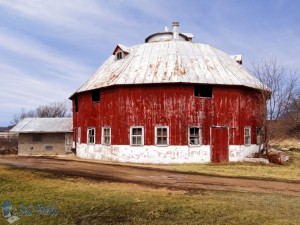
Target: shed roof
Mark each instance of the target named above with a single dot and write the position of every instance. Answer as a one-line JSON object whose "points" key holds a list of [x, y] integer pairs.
{"points": [[171, 62], [44, 125]]}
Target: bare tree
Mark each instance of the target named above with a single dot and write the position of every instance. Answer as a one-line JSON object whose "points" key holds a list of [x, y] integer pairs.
{"points": [[23, 114], [277, 90], [54, 109], [292, 117]]}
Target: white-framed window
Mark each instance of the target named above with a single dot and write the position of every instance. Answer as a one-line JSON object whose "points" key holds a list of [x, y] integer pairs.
{"points": [[161, 135], [247, 135], [91, 134], [259, 133], [119, 55], [106, 135], [137, 135], [78, 135], [195, 135]]}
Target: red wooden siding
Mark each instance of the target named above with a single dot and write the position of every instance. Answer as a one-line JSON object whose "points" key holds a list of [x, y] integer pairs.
{"points": [[173, 105]]}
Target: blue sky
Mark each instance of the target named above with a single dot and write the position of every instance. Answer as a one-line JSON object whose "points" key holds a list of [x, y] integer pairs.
{"points": [[48, 49]]}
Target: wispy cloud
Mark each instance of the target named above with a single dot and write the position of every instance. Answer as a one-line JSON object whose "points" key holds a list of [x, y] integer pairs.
{"points": [[20, 90], [49, 48], [31, 50]]}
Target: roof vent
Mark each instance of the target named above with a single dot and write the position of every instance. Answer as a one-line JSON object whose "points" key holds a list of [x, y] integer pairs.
{"points": [[175, 26], [237, 58]]}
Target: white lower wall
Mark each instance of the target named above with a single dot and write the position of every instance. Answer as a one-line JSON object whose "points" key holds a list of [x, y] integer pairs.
{"points": [[240, 152], [159, 155]]}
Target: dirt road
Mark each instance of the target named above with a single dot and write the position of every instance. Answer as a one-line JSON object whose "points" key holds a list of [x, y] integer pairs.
{"points": [[148, 176]]}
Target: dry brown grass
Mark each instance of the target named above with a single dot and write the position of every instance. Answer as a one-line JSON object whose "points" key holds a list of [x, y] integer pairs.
{"points": [[82, 201]]}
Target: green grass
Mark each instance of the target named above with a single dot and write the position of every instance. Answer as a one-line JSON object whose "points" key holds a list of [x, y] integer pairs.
{"points": [[82, 201], [288, 172]]}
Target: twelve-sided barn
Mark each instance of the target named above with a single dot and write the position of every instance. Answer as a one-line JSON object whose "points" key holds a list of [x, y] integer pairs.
{"points": [[169, 100]]}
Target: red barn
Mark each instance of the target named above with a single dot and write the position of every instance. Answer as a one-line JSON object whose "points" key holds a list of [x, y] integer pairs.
{"points": [[169, 100]]}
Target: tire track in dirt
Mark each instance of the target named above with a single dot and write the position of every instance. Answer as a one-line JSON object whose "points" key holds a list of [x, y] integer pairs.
{"points": [[149, 176]]}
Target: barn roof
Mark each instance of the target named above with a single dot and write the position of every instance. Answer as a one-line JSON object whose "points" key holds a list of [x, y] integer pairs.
{"points": [[166, 60], [44, 125]]}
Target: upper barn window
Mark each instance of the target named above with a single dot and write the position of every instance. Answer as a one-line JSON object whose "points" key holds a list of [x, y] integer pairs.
{"points": [[120, 52], [119, 55], [96, 95], [203, 91], [76, 104]]}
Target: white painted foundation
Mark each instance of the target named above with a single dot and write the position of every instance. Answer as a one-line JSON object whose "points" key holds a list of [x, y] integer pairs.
{"points": [[240, 152], [159, 155]]}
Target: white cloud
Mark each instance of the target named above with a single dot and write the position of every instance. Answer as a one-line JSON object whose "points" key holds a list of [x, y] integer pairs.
{"points": [[82, 18], [49, 48], [33, 74], [21, 89], [32, 50]]}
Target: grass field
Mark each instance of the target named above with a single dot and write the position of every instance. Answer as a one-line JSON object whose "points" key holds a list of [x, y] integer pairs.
{"points": [[86, 202], [288, 172]]}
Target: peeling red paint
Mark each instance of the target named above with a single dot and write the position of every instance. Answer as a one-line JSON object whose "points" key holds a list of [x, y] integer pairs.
{"points": [[173, 105]]}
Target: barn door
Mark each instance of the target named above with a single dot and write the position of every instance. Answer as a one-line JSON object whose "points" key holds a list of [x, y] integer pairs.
{"points": [[219, 144], [68, 142]]}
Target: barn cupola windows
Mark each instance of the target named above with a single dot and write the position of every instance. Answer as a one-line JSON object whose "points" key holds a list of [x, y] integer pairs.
{"points": [[204, 91]]}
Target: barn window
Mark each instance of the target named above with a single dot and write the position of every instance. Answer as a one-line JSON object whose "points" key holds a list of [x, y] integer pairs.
{"points": [[203, 91], [91, 135], [119, 55], [161, 135], [259, 133], [49, 147], [78, 135], [96, 95], [195, 136], [247, 136], [37, 137], [106, 135], [76, 104], [137, 136]]}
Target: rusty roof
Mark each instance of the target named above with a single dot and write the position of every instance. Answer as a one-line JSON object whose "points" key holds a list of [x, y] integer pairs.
{"points": [[171, 62], [44, 125], [169, 58]]}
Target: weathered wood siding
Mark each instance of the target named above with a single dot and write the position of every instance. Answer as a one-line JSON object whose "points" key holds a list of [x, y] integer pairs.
{"points": [[173, 105]]}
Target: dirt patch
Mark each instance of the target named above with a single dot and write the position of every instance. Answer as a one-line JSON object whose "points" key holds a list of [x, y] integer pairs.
{"points": [[150, 176]]}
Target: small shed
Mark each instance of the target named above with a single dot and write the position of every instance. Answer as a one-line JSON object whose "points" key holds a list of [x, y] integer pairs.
{"points": [[44, 136]]}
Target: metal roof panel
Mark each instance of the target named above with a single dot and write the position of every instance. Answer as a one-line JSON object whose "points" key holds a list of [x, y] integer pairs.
{"points": [[44, 125], [171, 62]]}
